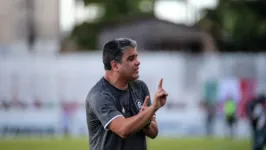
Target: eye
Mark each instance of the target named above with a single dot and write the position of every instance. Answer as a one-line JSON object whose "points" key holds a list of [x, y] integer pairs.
{"points": [[131, 58]]}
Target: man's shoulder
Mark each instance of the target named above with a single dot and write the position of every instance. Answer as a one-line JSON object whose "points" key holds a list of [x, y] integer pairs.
{"points": [[99, 90]]}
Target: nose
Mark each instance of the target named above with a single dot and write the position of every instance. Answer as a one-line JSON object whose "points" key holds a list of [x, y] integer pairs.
{"points": [[137, 63]]}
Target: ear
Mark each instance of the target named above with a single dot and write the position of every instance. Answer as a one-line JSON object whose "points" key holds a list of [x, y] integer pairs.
{"points": [[114, 65]]}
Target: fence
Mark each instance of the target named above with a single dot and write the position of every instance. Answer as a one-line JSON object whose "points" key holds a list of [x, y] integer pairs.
{"points": [[49, 92]]}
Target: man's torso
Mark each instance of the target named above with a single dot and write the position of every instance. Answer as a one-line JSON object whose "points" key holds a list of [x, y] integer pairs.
{"points": [[128, 103]]}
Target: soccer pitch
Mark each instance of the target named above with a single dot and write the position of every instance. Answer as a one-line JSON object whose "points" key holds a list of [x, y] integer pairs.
{"points": [[156, 144]]}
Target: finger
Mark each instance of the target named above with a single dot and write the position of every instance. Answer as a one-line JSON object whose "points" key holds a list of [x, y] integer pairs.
{"points": [[146, 102], [142, 109], [160, 84], [162, 93], [165, 93]]}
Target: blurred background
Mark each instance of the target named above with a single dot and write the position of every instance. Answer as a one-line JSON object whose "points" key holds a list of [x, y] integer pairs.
{"points": [[208, 52]]}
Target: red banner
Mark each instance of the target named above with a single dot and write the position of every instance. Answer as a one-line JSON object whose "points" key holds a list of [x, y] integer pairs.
{"points": [[247, 91]]}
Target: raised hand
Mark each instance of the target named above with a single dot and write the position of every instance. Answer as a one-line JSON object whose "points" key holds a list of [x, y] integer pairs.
{"points": [[160, 96]]}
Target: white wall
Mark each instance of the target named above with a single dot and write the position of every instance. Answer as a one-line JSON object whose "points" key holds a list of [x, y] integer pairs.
{"points": [[71, 76]]}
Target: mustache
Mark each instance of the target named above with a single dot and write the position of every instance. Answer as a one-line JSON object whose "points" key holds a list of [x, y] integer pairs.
{"points": [[136, 69]]}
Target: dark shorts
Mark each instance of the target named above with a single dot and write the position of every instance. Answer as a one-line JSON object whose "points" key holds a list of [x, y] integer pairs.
{"points": [[230, 120]]}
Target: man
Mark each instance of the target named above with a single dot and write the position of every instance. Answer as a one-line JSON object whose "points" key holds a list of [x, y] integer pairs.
{"points": [[257, 116], [230, 115], [210, 109], [119, 112]]}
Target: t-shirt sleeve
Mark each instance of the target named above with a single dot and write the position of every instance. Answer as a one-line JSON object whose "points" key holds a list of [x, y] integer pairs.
{"points": [[104, 108]]}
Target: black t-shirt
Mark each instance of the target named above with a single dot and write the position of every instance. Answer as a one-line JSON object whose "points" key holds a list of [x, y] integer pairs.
{"points": [[103, 104], [257, 113]]}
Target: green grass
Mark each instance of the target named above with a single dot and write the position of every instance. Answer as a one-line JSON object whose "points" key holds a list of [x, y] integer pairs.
{"points": [[156, 144]]}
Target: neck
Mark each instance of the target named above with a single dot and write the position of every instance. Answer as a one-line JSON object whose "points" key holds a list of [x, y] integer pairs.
{"points": [[115, 80]]}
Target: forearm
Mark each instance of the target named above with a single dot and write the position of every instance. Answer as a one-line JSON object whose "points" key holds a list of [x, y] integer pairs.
{"points": [[152, 131], [136, 123]]}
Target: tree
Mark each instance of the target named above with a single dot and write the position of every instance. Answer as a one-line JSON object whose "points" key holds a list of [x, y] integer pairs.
{"points": [[237, 25], [85, 34], [117, 8]]}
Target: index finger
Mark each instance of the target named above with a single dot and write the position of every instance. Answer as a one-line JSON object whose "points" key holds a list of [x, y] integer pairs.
{"points": [[160, 84], [146, 101]]}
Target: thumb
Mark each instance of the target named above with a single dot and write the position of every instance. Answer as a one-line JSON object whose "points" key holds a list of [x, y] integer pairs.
{"points": [[146, 101]]}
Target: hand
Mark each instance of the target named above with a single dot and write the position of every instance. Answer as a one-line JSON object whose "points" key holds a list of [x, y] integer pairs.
{"points": [[144, 107], [160, 96], [145, 104]]}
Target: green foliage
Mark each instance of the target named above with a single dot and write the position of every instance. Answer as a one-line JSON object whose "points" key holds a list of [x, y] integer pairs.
{"points": [[85, 34], [117, 8], [237, 25]]}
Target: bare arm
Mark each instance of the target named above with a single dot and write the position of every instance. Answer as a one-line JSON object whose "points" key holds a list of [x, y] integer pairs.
{"points": [[152, 131], [126, 126]]}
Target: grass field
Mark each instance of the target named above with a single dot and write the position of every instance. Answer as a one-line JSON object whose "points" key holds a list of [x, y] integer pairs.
{"points": [[157, 144]]}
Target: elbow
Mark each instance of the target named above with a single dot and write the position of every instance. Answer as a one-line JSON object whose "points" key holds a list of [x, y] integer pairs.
{"points": [[154, 133], [153, 136], [151, 133]]}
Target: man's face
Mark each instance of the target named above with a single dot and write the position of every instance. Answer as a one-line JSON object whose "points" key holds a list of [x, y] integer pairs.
{"points": [[129, 66]]}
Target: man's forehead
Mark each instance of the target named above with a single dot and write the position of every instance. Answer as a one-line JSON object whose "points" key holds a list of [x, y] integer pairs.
{"points": [[130, 52]]}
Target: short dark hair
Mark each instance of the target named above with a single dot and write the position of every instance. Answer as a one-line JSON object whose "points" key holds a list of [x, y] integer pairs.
{"points": [[114, 50]]}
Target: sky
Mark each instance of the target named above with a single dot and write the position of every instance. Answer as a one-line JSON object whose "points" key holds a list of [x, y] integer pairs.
{"points": [[171, 10]]}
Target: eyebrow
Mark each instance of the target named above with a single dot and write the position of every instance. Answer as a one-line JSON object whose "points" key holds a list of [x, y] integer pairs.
{"points": [[135, 55]]}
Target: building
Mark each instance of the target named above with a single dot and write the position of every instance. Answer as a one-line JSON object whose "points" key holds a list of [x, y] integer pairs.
{"points": [[152, 33], [29, 25]]}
